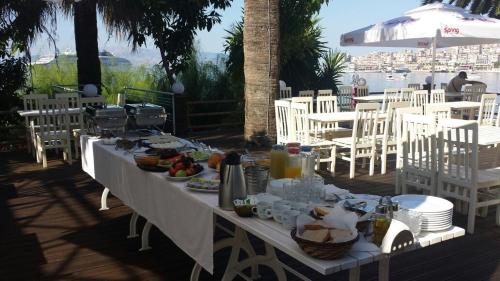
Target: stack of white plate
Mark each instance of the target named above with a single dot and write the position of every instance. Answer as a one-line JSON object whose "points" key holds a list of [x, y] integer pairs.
{"points": [[437, 213]]}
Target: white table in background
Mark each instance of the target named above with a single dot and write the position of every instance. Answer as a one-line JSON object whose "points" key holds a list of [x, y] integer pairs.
{"points": [[187, 218], [370, 98], [461, 105]]}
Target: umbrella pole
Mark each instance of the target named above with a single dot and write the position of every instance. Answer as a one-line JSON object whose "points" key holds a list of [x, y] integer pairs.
{"points": [[433, 61]]}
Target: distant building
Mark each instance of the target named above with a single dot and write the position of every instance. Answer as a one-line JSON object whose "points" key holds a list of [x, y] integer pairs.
{"points": [[107, 59]]}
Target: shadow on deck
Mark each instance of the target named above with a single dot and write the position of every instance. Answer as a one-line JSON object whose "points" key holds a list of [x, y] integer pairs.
{"points": [[51, 229]]}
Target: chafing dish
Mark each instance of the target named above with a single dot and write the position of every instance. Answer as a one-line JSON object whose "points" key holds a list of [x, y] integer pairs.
{"points": [[144, 115]]}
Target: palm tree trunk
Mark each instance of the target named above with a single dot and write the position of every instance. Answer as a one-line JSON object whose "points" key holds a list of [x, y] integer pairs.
{"points": [[87, 51], [261, 66]]}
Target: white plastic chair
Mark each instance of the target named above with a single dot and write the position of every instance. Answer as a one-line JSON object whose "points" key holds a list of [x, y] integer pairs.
{"points": [[419, 98], [284, 133], [54, 130], [323, 93], [437, 96], [406, 94], [328, 104], [362, 144], [400, 112], [305, 100], [487, 109], [459, 176], [387, 142], [419, 153], [344, 98], [306, 93], [390, 95], [286, 93], [474, 92], [32, 102], [414, 86]]}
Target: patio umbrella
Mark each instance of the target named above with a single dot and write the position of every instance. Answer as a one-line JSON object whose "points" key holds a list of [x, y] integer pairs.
{"points": [[435, 25]]}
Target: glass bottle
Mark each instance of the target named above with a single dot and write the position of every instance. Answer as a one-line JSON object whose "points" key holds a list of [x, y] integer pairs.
{"points": [[294, 168], [279, 160], [381, 223]]}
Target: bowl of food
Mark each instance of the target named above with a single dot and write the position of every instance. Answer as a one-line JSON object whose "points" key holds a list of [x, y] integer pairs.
{"points": [[146, 160]]}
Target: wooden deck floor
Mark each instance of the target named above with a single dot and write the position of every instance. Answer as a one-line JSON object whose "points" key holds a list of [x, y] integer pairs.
{"points": [[51, 229]]}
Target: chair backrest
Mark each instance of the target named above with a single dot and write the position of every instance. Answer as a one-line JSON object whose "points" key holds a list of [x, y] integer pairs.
{"points": [[305, 100], [444, 86], [437, 96], [54, 119], [326, 104], [99, 100], [419, 144], [300, 122], [438, 111], [400, 112], [406, 94], [474, 92], [344, 97], [390, 124], [306, 93], [32, 101], [326, 92], [364, 129], [283, 121], [458, 138], [419, 98], [487, 109], [414, 86], [362, 91], [286, 93], [390, 95], [72, 98]]}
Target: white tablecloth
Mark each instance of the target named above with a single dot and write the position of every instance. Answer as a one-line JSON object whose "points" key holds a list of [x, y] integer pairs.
{"points": [[184, 216]]}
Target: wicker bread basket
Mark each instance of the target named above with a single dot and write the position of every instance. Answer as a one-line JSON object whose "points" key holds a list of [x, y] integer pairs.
{"points": [[324, 251]]}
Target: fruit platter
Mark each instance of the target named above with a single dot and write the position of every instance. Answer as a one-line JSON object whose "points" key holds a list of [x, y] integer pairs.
{"points": [[198, 155], [183, 168], [203, 185]]}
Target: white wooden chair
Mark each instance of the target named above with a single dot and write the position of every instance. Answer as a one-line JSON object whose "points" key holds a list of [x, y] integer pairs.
{"points": [[323, 93], [387, 142], [305, 100], [284, 132], [362, 91], [400, 112], [419, 153], [362, 144], [437, 96], [474, 92], [286, 93], [406, 94], [306, 93], [487, 109], [419, 98], [54, 129], [344, 98], [459, 177], [390, 95], [83, 102], [303, 135], [438, 111], [32, 102], [415, 86], [444, 86], [329, 104]]}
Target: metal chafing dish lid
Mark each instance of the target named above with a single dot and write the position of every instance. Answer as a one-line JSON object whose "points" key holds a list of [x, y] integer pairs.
{"points": [[144, 109], [106, 111]]}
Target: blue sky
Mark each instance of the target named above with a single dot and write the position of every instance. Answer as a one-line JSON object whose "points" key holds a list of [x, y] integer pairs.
{"points": [[338, 17]]}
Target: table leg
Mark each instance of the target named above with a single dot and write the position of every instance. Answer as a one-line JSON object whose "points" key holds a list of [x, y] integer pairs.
{"points": [[133, 225], [145, 237], [383, 268], [354, 273], [104, 199]]}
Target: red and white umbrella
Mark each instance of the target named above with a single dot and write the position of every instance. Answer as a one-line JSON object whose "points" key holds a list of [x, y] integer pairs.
{"points": [[436, 25]]}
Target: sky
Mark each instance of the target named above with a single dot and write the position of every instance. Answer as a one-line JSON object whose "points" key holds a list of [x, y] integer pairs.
{"points": [[338, 17]]}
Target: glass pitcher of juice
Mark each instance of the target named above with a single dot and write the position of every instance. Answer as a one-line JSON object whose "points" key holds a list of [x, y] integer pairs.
{"points": [[279, 159], [294, 167]]}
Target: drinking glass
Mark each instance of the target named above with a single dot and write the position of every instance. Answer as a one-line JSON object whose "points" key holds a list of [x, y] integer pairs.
{"points": [[412, 219]]}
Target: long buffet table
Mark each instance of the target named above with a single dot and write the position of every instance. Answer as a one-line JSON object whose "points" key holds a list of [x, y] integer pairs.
{"points": [[187, 218]]}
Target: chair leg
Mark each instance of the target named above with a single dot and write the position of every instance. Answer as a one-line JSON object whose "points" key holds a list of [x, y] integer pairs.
{"points": [[352, 165], [372, 163], [68, 147], [333, 154], [44, 157], [471, 214], [383, 168]]}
